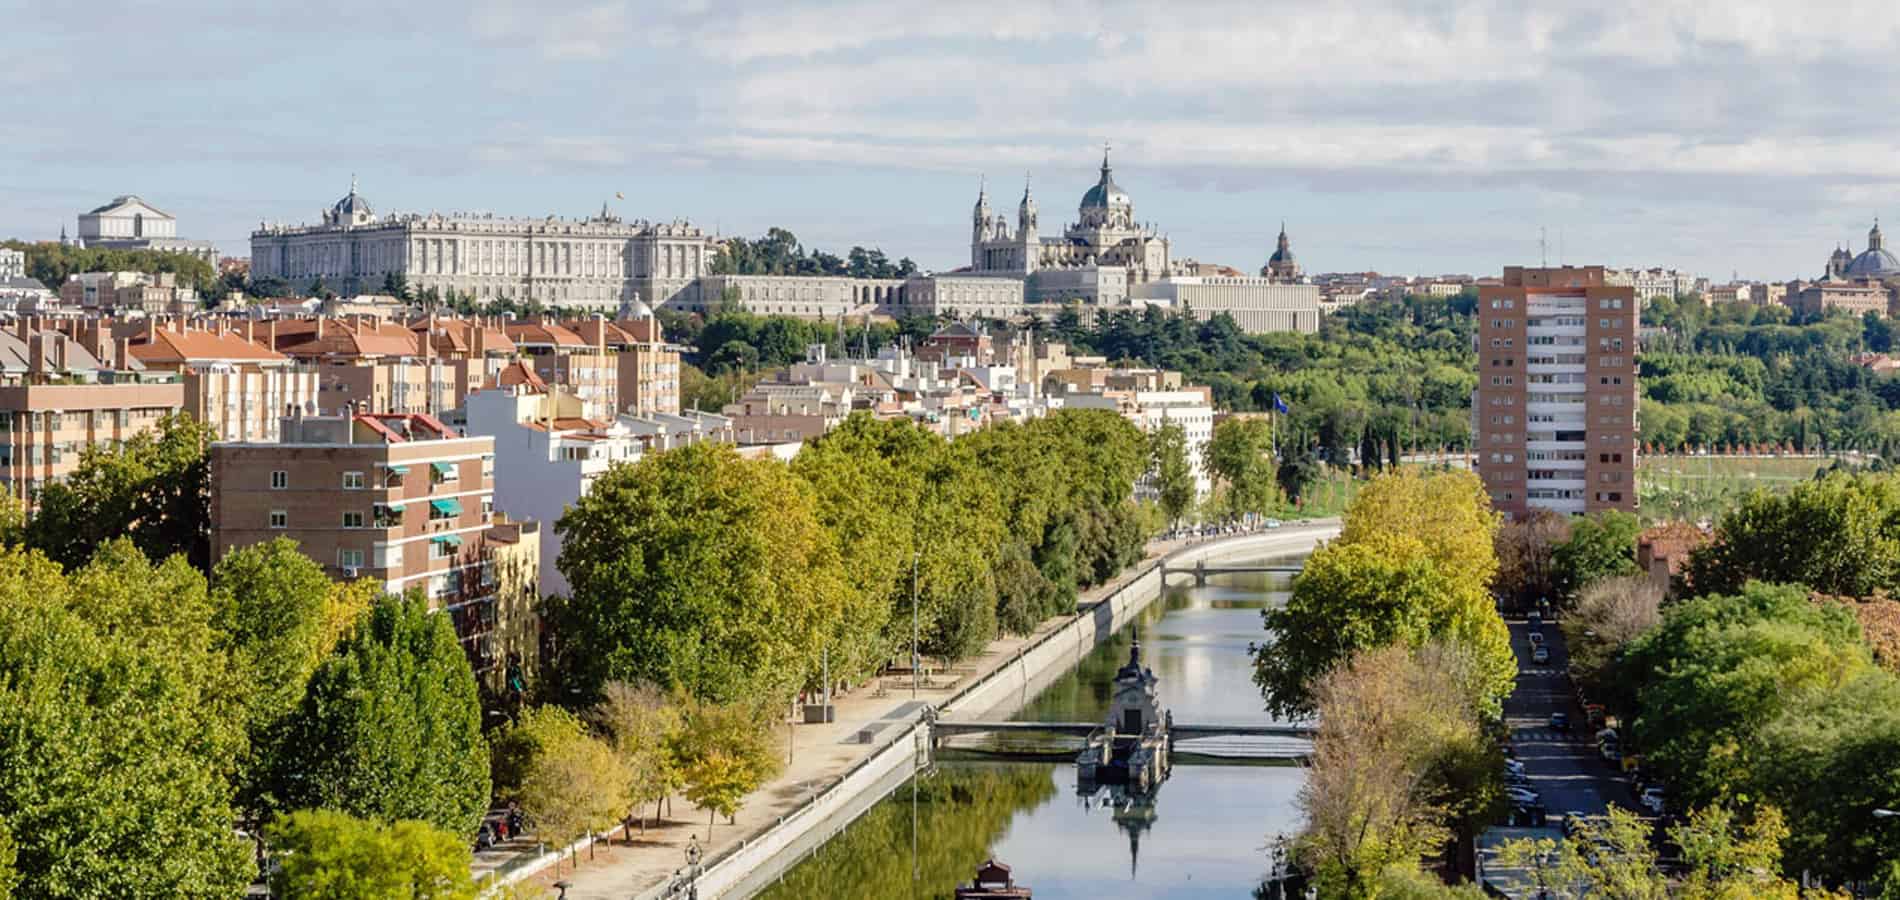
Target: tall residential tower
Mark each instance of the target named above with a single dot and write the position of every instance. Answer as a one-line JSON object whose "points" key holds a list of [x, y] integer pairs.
{"points": [[1554, 416]]}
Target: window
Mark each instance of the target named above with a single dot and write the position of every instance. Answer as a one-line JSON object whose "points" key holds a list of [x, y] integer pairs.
{"points": [[353, 519], [279, 480], [352, 481], [349, 559], [444, 471], [279, 519], [440, 550]]}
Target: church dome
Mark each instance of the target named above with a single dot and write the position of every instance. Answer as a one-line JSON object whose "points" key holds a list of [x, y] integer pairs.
{"points": [[1874, 262], [1105, 193]]}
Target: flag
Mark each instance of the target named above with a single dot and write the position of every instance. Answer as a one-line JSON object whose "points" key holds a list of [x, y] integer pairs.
{"points": [[1279, 405]]}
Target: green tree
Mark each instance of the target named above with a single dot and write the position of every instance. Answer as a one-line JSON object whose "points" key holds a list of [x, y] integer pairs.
{"points": [[1172, 474], [1840, 535], [723, 752], [1239, 457], [118, 729], [699, 569], [1413, 563], [390, 726], [153, 488], [330, 855], [515, 748], [573, 787], [275, 606], [1721, 668], [1602, 545]]}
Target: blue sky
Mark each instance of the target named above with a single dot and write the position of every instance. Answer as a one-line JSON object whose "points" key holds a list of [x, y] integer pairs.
{"points": [[1396, 136]]}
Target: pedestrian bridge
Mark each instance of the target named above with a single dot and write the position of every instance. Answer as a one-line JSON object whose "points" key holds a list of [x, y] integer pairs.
{"points": [[1059, 741], [1201, 570]]}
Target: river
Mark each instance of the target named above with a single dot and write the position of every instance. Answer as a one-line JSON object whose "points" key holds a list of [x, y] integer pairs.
{"points": [[1210, 824]]}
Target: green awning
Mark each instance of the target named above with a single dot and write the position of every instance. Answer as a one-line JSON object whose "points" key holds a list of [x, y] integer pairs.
{"points": [[393, 507], [399, 470], [450, 507], [453, 540], [442, 468]]}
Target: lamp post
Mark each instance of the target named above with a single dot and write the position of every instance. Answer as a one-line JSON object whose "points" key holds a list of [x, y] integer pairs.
{"points": [[916, 662]]}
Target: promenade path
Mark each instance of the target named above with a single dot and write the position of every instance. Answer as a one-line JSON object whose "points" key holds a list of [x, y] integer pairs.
{"points": [[820, 755]]}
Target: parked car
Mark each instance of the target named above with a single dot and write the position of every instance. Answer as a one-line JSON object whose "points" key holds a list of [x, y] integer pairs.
{"points": [[1653, 800], [1560, 721], [1273, 523], [1540, 654]]}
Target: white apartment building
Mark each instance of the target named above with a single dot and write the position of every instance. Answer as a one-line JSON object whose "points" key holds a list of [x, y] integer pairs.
{"points": [[547, 456]]}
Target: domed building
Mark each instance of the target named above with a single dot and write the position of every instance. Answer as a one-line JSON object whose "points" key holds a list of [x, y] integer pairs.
{"points": [[352, 211], [1098, 257], [1874, 262], [1281, 267], [1856, 283]]}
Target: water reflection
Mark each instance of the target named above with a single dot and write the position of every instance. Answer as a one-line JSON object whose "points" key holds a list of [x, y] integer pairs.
{"points": [[1202, 836]]}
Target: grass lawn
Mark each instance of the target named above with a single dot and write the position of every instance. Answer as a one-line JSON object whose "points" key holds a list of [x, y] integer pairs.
{"points": [[1701, 488]]}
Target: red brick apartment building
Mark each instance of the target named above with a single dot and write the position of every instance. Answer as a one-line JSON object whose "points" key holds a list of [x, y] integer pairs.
{"points": [[1554, 415], [399, 498]]}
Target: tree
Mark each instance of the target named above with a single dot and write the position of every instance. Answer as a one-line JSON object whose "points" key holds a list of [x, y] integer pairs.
{"points": [[639, 721], [1240, 457], [1170, 470], [722, 752], [572, 787], [119, 728], [1297, 472], [1602, 545], [1839, 535], [1608, 615], [1718, 669], [1413, 563], [699, 569], [390, 726], [1615, 857], [330, 855], [516, 748], [1527, 549], [1401, 757], [153, 488], [279, 611]]}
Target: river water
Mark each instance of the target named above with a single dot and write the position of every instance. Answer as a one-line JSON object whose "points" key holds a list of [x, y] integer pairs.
{"points": [[1205, 836]]}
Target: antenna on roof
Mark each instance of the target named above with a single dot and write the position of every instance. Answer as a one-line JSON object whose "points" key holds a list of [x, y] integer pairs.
{"points": [[1543, 249]]}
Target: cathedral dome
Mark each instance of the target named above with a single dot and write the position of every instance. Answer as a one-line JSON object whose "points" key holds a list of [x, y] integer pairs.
{"points": [[1105, 194], [1874, 262]]}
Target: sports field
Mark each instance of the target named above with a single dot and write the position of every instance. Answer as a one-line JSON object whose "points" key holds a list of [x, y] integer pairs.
{"points": [[1699, 488]]}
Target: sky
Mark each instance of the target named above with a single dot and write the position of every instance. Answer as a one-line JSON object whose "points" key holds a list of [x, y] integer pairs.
{"points": [[1402, 137]]}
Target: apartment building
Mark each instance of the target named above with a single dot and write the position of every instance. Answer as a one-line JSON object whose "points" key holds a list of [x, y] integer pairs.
{"points": [[547, 453], [60, 395], [646, 367], [560, 355], [236, 386], [129, 293], [1554, 414], [402, 499], [1191, 408]]}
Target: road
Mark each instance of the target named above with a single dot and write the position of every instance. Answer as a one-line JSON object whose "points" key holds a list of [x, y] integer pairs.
{"points": [[1564, 768]]}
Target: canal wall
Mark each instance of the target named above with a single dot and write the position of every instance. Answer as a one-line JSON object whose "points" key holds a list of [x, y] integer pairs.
{"points": [[762, 859]]}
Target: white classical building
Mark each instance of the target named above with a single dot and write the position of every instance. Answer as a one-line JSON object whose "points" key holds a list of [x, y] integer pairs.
{"points": [[1257, 304], [12, 263], [1105, 236], [130, 223], [597, 262]]}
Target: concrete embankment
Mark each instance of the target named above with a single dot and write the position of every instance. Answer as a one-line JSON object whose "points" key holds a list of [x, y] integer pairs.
{"points": [[762, 859]]}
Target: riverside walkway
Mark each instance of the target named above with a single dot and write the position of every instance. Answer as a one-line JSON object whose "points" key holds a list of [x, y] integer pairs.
{"points": [[819, 754]]}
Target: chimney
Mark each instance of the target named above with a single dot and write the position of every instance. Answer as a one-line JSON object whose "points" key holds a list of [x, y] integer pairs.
{"points": [[270, 333], [319, 327], [36, 356], [24, 329], [151, 329], [122, 353], [59, 350]]}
